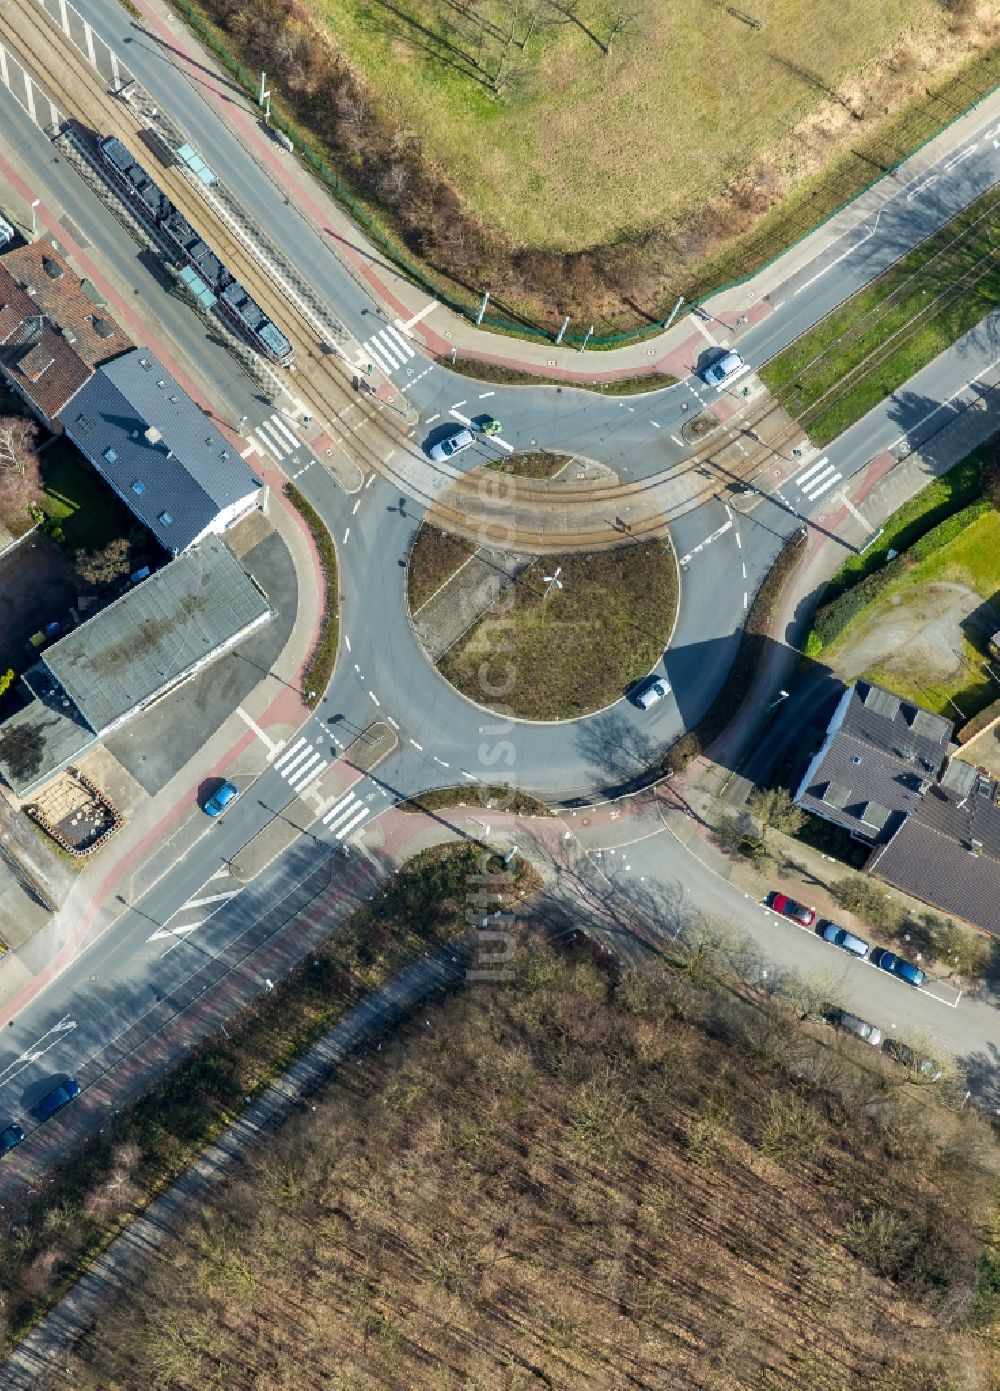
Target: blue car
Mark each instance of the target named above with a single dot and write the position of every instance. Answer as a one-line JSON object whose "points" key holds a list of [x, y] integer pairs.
{"points": [[218, 801], [10, 1138], [57, 1098], [896, 966]]}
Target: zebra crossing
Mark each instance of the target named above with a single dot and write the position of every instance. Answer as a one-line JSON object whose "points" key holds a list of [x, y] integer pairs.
{"points": [[346, 816], [277, 436], [300, 764], [816, 479], [389, 349]]}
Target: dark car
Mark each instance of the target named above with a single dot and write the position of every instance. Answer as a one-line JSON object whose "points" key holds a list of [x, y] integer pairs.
{"points": [[896, 966], [840, 937], [912, 1060], [788, 908], [10, 1138], [57, 1098]]}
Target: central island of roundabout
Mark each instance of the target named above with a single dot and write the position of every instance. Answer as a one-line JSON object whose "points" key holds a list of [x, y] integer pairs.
{"points": [[543, 637]]}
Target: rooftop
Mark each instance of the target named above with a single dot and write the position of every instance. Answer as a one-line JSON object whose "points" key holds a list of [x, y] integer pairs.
{"points": [[39, 360], [38, 741], [55, 290], [158, 448], [879, 756], [144, 642]]}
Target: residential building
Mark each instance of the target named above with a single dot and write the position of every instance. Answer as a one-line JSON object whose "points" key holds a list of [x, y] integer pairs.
{"points": [[159, 451]]}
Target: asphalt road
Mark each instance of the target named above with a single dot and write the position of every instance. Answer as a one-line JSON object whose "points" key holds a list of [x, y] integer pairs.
{"points": [[382, 674]]}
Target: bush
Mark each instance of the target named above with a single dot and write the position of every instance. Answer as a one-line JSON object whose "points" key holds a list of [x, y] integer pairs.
{"points": [[868, 900], [978, 722]]}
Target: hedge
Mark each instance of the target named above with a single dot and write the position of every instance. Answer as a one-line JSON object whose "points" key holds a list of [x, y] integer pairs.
{"points": [[978, 722], [319, 668], [833, 619]]}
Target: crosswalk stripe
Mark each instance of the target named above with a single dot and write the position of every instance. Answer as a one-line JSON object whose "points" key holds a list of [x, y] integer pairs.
{"points": [[293, 777], [803, 476], [816, 492], [300, 785], [373, 349], [286, 755], [400, 340], [212, 898], [276, 423], [269, 445], [345, 815], [307, 754], [275, 438], [389, 348], [338, 809], [351, 825]]}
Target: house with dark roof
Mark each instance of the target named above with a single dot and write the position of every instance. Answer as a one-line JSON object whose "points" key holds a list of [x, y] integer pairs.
{"points": [[947, 851], [70, 304], [159, 451], [878, 758], [38, 361], [125, 658]]}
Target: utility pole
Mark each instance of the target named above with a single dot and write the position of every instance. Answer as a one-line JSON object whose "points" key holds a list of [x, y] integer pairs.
{"points": [[552, 582], [587, 339], [559, 335], [482, 307]]}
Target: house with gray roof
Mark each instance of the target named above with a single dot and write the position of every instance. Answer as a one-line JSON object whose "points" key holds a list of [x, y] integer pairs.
{"points": [[947, 851], [160, 452], [878, 758], [129, 655]]}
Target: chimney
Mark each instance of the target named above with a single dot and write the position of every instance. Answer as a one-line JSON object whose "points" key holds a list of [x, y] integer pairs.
{"points": [[152, 434]]}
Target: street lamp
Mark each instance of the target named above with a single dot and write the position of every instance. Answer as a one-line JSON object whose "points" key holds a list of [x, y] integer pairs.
{"points": [[34, 219], [782, 695]]}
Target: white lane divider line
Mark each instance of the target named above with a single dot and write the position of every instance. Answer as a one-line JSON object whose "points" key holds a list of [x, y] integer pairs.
{"points": [[375, 698], [677, 441], [726, 526], [354, 509], [441, 761], [346, 534], [484, 394], [420, 747]]}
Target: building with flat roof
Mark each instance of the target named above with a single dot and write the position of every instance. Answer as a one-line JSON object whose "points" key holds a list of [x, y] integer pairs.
{"points": [[126, 657], [160, 452]]}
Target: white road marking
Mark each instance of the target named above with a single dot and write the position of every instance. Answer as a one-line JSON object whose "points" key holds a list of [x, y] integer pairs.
{"points": [[927, 183], [346, 534], [270, 745], [441, 761], [375, 698], [394, 723], [370, 479], [427, 309], [960, 158], [677, 441], [726, 526], [289, 752], [804, 474], [211, 898], [353, 824], [745, 600], [431, 418], [347, 642], [354, 509], [457, 404], [703, 329], [739, 541], [744, 569], [416, 745], [843, 255], [484, 394]]}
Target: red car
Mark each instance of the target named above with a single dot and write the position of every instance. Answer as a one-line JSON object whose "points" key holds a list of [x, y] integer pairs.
{"points": [[788, 908]]}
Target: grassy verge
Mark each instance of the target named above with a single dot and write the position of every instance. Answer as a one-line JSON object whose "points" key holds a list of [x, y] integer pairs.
{"points": [[497, 796], [46, 1243], [753, 644], [580, 648], [822, 378], [501, 375], [540, 465], [434, 558], [319, 668], [946, 495]]}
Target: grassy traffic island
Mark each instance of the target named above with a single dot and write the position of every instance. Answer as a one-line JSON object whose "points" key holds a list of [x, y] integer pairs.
{"points": [[554, 653]]}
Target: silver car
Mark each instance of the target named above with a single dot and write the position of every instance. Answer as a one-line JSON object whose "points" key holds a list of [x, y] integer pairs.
{"points": [[454, 443], [853, 1025]]}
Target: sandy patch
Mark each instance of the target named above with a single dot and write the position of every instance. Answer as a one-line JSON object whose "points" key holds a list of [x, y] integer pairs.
{"points": [[921, 634]]}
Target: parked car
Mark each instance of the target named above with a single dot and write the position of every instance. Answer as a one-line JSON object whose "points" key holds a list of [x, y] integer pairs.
{"points": [[915, 1062], [896, 966], [649, 692], [459, 439], [57, 1098], [10, 1138], [841, 1019], [788, 908], [721, 369], [840, 937], [219, 800]]}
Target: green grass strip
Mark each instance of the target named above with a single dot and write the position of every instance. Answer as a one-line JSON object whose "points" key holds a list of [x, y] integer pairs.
{"points": [[319, 668]]}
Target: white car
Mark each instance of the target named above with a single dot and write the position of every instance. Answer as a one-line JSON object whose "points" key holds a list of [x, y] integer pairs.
{"points": [[454, 443], [722, 369], [651, 692]]}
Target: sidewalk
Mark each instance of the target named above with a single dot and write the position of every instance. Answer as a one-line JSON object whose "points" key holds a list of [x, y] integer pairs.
{"points": [[439, 329]]}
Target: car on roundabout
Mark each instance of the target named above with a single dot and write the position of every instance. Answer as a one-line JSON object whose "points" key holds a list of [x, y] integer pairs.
{"points": [[650, 692], [790, 908], [451, 444], [897, 966]]}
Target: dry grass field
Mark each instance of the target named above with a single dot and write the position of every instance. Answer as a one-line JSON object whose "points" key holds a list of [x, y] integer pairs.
{"points": [[560, 144], [584, 1184]]}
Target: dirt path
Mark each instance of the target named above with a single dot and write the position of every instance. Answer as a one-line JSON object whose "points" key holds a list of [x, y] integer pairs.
{"points": [[918, 632]]}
